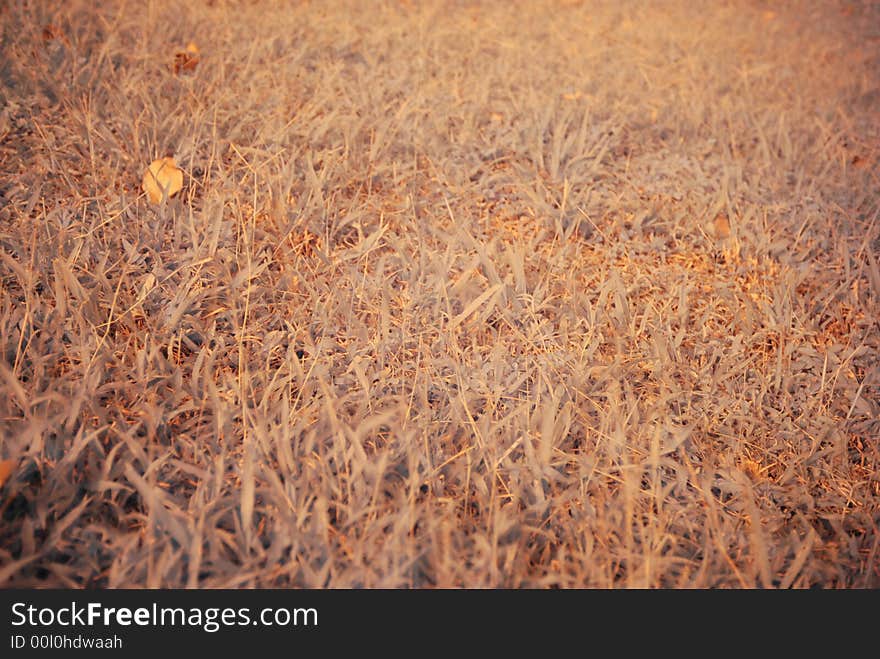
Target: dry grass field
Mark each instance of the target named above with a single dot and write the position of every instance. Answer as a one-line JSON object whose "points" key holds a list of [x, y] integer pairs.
{"points": [[456, 294]]}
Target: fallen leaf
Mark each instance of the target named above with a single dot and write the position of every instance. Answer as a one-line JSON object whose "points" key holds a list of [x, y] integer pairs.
{"points": [[6, 468], [859, 162], [52, 32], [188, 59], [721, 226], [162, 176]]}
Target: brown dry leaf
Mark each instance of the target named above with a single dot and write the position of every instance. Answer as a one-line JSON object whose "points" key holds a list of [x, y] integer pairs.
{"points": [[752, 468], [6, 468], [163, 175], [721, 227], [52, 32], [188, 59], [860, 162]]}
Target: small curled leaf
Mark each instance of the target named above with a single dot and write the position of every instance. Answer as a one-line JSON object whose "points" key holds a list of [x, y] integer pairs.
{"points": [[162, 176], [188, 59], [6, 468], [721, 227]]}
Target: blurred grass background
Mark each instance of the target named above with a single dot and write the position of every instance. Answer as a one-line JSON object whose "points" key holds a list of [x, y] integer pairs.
{"points": [[457, 294]]}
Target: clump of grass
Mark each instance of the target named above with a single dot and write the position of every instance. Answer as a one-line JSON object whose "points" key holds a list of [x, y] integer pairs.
{"points": [[554, 295]]}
